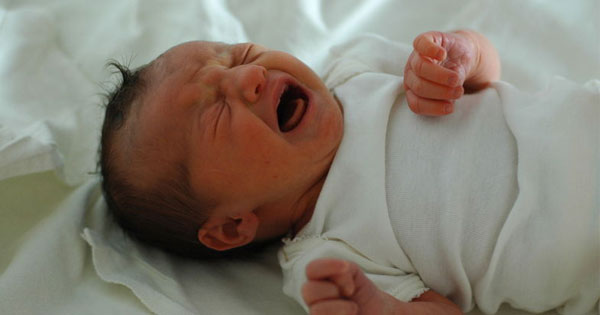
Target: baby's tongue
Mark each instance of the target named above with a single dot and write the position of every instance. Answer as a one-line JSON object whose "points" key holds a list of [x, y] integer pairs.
{"points": [[298, 106]]}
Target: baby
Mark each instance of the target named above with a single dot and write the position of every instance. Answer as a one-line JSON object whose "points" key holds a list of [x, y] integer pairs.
{"points": [[216, 148]]}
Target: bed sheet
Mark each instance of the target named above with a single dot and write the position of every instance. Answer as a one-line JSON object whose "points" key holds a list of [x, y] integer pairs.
{"points": [[53, 76]]}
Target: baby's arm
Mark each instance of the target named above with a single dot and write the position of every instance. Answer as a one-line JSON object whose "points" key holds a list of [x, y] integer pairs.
{"points": [[336, 286], [445, 65]]}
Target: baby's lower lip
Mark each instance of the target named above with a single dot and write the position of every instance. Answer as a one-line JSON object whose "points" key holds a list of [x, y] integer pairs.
{"points": [[292, 107], [307, 111]]}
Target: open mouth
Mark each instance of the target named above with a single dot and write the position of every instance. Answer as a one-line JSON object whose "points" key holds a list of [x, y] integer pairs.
{"points": [[292, 106]]}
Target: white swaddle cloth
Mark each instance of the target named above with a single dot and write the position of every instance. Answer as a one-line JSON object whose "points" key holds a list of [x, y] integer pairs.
{"points": [[496, 203]]}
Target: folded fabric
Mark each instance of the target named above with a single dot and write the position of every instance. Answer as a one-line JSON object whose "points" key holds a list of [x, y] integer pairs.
{"points": [[173, 285]]}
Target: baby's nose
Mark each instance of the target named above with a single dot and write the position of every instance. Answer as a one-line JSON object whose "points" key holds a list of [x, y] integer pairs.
{"points": [[249, 81]]}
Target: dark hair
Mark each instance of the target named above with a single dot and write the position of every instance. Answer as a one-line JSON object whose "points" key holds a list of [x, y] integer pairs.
{"points": [[163, 214]]}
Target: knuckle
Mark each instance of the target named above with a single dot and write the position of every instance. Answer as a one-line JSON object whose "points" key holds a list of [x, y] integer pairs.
{"points": [[409, 78], [436, 34], [305, 290], [455, 93], [417, 86], [314, 266], [418, 65], [310, 266], [418, 40], [353, 265], [414, 106]]}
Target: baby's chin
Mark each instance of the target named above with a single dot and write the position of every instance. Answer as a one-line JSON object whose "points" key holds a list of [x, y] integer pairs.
{"points": [[337, 123], [338, 115], [340, 106]]}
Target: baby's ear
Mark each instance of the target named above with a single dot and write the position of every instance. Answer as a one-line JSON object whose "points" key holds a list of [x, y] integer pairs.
{"points": [[223, 233]]}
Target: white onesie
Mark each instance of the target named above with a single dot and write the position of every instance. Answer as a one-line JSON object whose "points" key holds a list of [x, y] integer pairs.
{"points": [[495, 203]]}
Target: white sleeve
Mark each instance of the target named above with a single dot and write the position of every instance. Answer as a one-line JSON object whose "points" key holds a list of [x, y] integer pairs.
{"points": [[296, 255], [364, 53]]}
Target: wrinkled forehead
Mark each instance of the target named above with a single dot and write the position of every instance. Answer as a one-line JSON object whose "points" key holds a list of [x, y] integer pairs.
{"points": [[198, 53], [168, 90], [163, 103], [169, 74]]}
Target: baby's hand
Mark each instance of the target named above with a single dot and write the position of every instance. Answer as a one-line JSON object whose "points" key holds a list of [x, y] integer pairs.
{"points": [[337, 286], [436, 70]]}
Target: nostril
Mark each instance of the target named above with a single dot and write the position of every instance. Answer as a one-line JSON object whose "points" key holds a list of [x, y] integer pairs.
{"points": [[257, 90]]}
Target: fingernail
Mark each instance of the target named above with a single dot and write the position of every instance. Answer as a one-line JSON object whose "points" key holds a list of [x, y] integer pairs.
{"points": [[448, 108], [458, 92]]}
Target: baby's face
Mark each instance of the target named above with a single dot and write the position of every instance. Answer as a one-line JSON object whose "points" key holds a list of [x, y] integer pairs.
{"points": [[253, 126]]}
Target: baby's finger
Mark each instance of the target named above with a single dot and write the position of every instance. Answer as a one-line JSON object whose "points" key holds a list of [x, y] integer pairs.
{"points": [[429, 107], [427, 44], [428, 89], [345, 282], [434, 72], [339, 271], [319, 269], [315, 291], [334, 307]]}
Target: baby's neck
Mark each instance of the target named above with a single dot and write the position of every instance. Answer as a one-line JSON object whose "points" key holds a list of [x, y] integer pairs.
{"points": [[304, 217], [288, 215]]}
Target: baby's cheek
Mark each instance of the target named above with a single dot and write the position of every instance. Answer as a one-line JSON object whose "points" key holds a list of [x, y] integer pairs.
{"points": [[334, 126]]}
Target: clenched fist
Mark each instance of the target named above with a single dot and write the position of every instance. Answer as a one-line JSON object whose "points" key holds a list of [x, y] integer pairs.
{"points": [[437, 69]]}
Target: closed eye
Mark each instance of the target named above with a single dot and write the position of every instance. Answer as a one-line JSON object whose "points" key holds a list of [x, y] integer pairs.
{"points": [[246, 53], [223, 107]]}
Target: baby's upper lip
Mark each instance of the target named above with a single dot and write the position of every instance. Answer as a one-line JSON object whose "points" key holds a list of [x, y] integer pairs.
{"points": [[276, 83]]}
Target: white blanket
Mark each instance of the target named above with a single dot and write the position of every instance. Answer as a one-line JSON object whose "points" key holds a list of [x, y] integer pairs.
{"points": [[494, 203], [52, 75]]}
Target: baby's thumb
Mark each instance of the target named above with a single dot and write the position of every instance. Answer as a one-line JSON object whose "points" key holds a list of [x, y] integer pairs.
{"points": [[426, 45]]}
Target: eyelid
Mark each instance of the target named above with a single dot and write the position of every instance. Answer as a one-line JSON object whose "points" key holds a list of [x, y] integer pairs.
{"points": [[222, 103]]}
